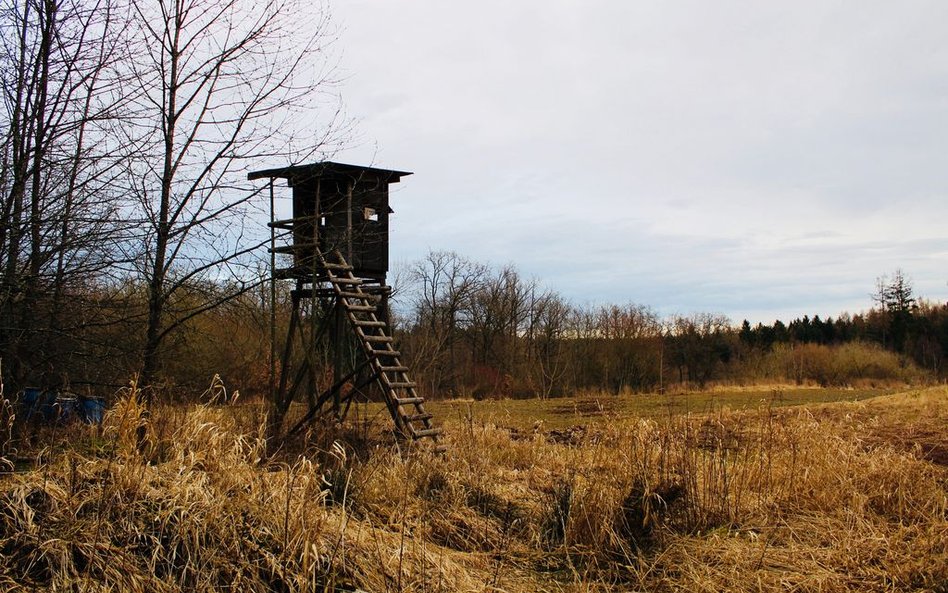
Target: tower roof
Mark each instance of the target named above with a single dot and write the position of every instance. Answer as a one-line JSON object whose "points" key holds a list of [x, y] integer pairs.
{"points": [[328, 169]]}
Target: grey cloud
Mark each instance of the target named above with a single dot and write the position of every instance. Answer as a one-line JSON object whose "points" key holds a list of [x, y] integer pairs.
{"points": [[743, 157]]}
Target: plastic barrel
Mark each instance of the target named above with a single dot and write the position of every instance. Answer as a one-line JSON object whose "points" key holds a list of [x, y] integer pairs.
{"points": [[29, 401], [47, 406], [39, 405], [66, 407], [91, 409]]}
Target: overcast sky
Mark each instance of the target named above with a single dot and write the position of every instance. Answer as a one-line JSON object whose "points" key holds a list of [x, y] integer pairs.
{"points": [[757, 159]]}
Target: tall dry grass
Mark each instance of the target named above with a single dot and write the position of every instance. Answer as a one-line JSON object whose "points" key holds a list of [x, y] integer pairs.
{"points": [[818, 499]]}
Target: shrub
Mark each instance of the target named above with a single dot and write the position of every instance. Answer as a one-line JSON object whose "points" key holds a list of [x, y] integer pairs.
{"points": [[843, 365]]}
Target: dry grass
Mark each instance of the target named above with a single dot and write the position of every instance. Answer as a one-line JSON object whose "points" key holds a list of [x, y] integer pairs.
{"points": [[597, 408], [828, 497]]}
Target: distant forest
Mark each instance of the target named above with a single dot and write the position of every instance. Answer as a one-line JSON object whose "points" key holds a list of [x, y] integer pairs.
{"points": [[482, 332]]}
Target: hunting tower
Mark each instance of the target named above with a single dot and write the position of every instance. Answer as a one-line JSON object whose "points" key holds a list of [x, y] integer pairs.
{"points": [[338, 343]]}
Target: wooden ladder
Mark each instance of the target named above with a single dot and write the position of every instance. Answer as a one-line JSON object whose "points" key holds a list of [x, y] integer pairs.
{"points": [[405, 405]]}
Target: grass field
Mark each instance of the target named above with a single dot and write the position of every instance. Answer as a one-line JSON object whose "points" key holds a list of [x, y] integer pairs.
{"points": [[749, 490], [562, 413]]}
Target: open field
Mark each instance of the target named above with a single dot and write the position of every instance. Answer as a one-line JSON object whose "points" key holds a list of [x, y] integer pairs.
{"points": [[561, 413], [745, 494], [591, 410]]}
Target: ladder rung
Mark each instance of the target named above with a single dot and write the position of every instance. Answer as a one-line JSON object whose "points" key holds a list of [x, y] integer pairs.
{"points": [[344, 280], [331, 266], [428, 432], [394, 369], [419, 417], [365, 308], [357, 295], [393, 353], [407, 401], [384, 339], [369, 323], [402, 384]]}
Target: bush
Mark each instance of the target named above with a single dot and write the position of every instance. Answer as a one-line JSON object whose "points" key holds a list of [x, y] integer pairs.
{"points": [[842, 365]]}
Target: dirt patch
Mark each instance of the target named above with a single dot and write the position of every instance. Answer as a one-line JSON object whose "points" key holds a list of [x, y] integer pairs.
{"points": [[517, 434], [586, 408], [926, 443], [574, 436], [715, 436], [937, 453]]}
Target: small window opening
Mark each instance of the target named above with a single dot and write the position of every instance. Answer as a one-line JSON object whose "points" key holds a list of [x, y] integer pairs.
{"points": [[370, 214]]}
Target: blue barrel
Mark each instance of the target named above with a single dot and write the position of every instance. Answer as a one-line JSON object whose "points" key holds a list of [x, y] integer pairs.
{"points": [[53, 407], [91, 409], [29, 399], [66, 408], [38, 404]]}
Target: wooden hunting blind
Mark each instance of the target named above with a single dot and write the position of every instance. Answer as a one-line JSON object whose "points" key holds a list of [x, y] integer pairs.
{"points": [[337, 240], [337, 207]]}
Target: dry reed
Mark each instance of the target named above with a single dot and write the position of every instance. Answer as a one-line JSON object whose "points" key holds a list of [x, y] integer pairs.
{"points": [[806, 499]]}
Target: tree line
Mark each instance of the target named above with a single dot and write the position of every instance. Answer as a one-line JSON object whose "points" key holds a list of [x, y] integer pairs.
{"points": [[897, 321], [475, 330]]}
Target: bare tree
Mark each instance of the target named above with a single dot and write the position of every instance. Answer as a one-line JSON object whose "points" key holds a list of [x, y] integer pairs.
{"points": [[441, 287], [630, 347], [549, 329], [221, 84], [498, 312], [57, 204], [699, 344]]}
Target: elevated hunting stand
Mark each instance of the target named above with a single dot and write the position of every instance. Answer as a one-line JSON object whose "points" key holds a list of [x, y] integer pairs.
{"points": [[339, 259]]}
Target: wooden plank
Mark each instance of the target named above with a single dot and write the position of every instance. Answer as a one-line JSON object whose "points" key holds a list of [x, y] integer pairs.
{"points": [[428, 432], [362, 308], [393, 353], [288, 248], [311, 293], [288, 223], [379, 339]]}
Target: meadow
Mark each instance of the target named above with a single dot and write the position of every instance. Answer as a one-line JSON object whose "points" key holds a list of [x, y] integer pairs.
{"points": [[766, 489]]}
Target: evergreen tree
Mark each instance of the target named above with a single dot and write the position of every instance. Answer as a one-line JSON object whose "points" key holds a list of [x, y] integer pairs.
{"points": [[747, 334]]}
